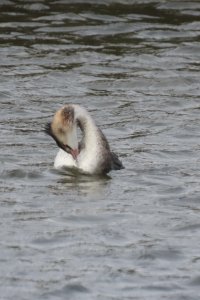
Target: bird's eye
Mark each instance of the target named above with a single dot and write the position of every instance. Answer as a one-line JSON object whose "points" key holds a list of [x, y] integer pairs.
{"points": [[60, 130]]}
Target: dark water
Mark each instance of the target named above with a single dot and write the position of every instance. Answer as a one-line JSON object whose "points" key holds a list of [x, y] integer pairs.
{"points": [[135, 66]]}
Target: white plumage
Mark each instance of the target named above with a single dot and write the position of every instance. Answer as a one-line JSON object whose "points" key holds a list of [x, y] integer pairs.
{"points": [[92, 155]]}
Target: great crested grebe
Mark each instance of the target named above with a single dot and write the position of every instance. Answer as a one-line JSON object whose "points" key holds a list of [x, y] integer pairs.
{"points": [[92, 155]]}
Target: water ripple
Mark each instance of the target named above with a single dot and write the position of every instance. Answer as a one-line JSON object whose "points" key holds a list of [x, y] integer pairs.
{"points": [[135, 66]]}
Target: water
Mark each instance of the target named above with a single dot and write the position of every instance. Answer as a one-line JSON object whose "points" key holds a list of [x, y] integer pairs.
{"points": [[136, 233]]}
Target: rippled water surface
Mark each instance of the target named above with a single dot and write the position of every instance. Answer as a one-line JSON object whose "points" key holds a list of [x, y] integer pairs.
{"points": [[135, 234]]}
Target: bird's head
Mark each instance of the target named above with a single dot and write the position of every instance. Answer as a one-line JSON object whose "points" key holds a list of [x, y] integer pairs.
{"points": [[63, 129]]}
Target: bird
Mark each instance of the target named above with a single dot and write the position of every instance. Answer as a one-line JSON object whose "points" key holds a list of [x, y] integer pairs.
{"points": [[92, 155]]}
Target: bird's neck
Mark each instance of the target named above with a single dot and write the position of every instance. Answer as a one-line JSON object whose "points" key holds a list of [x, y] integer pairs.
{"points": [[87, 126]]}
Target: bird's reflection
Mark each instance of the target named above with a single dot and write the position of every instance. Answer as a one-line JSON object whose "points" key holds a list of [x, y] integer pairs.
{"points": [[84, 184]]}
